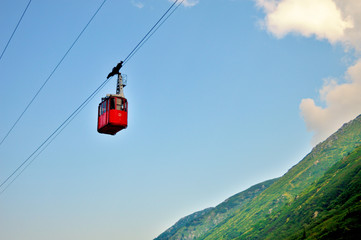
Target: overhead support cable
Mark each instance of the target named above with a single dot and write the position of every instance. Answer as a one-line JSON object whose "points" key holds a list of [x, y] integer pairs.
{"points": [[17, 25], [21, 168], [52, 136], [151, 34], [52, 73], [148, 35]]}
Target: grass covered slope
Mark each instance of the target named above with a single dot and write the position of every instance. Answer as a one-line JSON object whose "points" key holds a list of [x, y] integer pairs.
{"points": [[268, 205], [328, 209], [319, 198], [193, 226]]}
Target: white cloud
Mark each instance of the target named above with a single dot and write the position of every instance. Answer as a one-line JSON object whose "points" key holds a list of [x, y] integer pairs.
{"points": [[188, 3], [352, 9], [343, 103], [137, 4], [320, 18], [338, 21]]}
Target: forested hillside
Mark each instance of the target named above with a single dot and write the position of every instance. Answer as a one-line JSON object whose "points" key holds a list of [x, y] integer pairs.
{"points": [[199, 223], [312, 199]]}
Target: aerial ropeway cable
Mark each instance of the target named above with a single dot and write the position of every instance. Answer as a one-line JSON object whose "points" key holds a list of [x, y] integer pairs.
{"points": [[13, 176], [52, 73], [16, 27], [123, 105], [113, 109]]}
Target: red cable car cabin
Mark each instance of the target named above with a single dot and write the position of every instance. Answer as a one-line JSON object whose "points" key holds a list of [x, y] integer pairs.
{"points": [[112, 114]]}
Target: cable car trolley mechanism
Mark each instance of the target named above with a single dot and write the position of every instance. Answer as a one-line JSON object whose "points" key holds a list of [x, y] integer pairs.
{"points": [[113, 109]]}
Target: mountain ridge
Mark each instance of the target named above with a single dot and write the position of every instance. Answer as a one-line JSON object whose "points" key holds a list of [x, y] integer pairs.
{"points": [[269, 204], [299, 177], [212, 216], [321, 210]]}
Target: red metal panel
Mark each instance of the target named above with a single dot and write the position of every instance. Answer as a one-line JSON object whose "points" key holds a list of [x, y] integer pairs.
{"points": [[112, 120], [117, 117]]}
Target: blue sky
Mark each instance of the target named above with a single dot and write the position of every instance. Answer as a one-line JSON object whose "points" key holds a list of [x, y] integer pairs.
{"points": [[217, 103]]}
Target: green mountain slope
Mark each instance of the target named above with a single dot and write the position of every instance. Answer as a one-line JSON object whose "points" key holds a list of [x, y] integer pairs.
{"points": [[272, 213], [328, 209], [267, 206], [197, 224]]}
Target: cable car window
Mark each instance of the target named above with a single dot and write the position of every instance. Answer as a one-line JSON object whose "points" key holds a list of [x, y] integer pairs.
{"points": [[119, 104], [112, 104], [104, 107]]}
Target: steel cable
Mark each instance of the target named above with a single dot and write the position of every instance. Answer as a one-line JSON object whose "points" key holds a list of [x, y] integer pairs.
{"points": [[65, 123], [52, 73], [17, 25]]}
